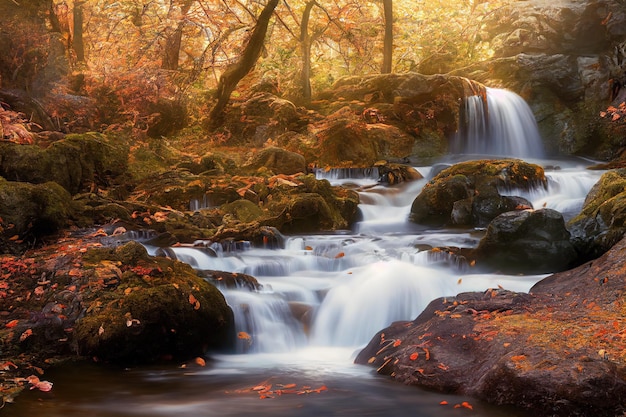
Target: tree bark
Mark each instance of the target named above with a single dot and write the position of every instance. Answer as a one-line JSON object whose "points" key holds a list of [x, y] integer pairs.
{"points": [[234, 73], [171, 54], [388, 41], [77, 40], [305, 42]]}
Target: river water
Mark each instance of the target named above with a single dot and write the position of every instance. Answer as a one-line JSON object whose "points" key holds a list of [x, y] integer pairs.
{"points": [[322, 298]]}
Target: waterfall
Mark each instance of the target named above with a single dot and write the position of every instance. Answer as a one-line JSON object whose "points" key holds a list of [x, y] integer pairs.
{"points": [[500, 123]]}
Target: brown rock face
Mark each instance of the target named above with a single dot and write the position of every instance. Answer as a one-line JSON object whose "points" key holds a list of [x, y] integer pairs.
{"points": [[559, 350]]}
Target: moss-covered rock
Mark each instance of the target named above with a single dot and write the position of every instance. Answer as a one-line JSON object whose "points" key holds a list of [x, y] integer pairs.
{"points": [[149, 309], [29, 212], [278, 161], [468, 193], [602, 220], [78, 162]]}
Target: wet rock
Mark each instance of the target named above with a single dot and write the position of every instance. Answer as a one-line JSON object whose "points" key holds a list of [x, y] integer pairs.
{"points": [[235, 281], [554, 351], [158, 308], [394, 173], [468, 193], [527, 241], [602, 220]]}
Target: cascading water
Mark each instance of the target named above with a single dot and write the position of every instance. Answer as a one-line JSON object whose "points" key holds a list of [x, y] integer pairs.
{"points": [[498, 123], [322, 297]]}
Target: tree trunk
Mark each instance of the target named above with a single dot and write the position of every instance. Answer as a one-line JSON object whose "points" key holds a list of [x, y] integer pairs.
{"points": [[305, 42], [234, 73], [388, 41], [77, 40], [171, 54]]}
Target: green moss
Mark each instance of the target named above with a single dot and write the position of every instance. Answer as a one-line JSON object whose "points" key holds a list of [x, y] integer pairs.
{"points": [[243, 210], [160, 308]]}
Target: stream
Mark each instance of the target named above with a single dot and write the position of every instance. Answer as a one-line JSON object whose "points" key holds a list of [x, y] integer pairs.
{"points": [[323, 297]]}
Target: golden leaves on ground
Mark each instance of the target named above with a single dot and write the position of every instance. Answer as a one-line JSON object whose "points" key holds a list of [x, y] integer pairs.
{"points": [[267, 390]]}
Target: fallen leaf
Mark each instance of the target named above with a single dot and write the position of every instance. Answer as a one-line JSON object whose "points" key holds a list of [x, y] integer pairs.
{"points": [[244, 335], [12, 324], [340, 255], [444, 402], [201, 362], [467, 405], [27, 333], [194, 302], [397, 343], [414, 356]]}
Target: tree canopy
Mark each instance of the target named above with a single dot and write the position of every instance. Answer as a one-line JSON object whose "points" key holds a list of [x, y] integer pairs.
{"points": [[133, 53]]}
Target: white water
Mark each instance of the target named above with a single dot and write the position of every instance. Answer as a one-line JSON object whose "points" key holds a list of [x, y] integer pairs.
{"points": [[353, 284], [505, 127], [323, 297]]}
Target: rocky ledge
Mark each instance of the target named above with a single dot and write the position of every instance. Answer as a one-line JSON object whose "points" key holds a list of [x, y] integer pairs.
{"points": [[559, 350]]}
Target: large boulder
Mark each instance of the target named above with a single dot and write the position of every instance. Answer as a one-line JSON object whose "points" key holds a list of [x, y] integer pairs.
{"points": [[527, 241], [602, 220], [77, 162], [468, 193], [144, 309], [29, 212], [278, 161], [388, 116], [557, 351]]}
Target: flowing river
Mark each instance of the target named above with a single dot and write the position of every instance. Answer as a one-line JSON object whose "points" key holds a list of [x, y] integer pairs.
{"points": [[322, 298]]}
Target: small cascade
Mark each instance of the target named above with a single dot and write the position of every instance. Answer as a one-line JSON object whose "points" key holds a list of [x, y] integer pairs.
{"points": [[354, 176], [497, 122], [565, 192], [205, 202], [264, 322], [372, 297]]}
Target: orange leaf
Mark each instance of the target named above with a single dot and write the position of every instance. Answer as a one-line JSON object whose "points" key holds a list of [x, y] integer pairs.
{"points": [[444, 402], [12, 324], [201, 362], [397, 343], [467, 405], [340, 255], [414, 356], [427, 352], [194, 302], [244, 335], [27, 333], [518, 358]]}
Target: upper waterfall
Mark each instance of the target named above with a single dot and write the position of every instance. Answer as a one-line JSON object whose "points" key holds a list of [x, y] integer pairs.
{"points": [[497, 122]]}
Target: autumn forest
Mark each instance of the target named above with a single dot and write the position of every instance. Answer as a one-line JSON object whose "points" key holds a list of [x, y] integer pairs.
{"points": [[285, 206]]}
